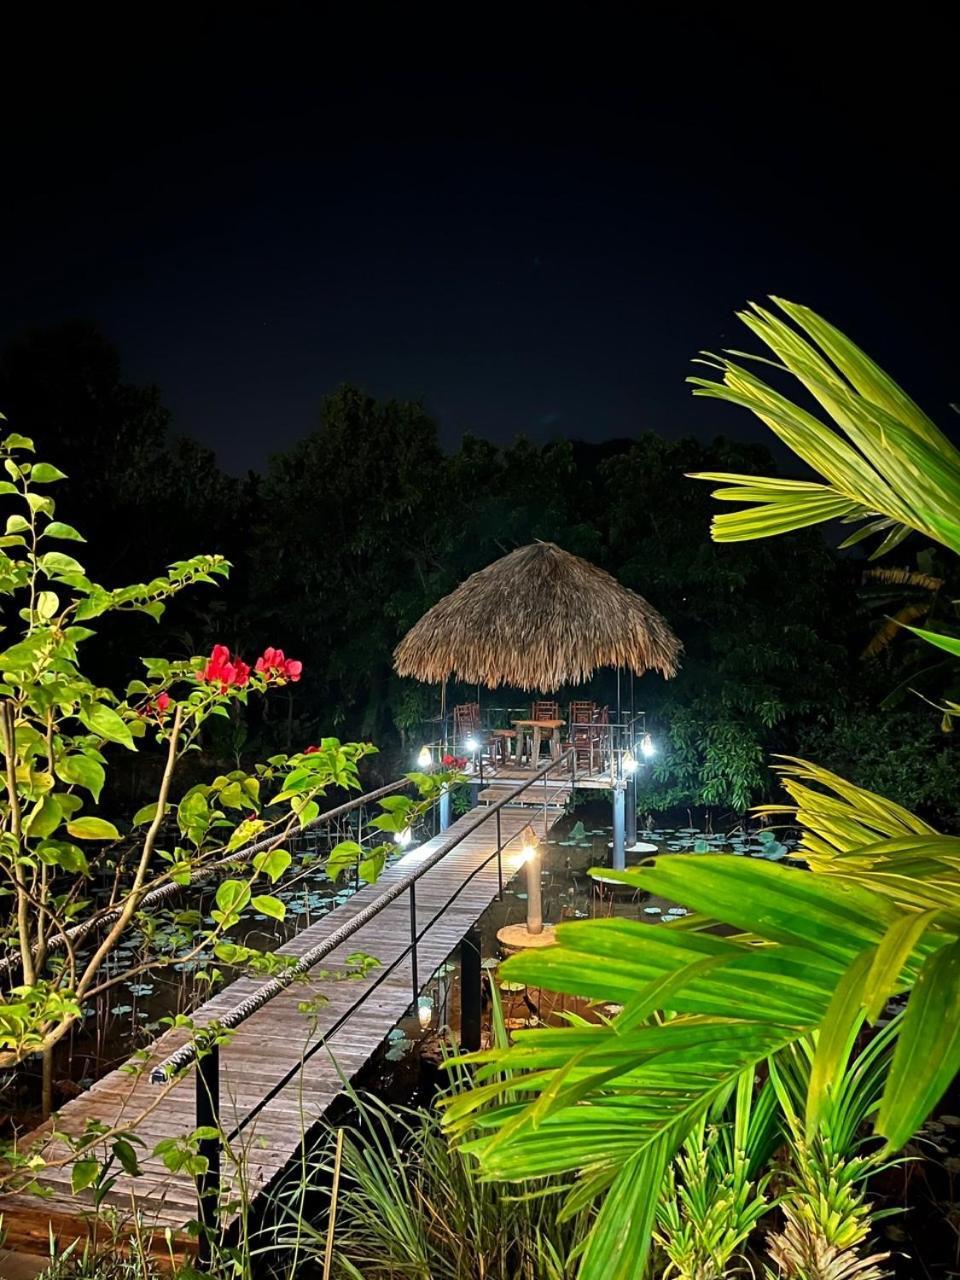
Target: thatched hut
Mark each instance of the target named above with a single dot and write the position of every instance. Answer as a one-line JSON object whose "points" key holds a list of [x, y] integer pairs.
{"points": [[537, 619]]}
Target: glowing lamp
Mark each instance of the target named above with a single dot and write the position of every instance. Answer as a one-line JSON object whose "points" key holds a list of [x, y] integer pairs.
{"points": [[425, 758], [629, 762], [472, 745], [403, 837], [424, 1012], [647, 747]]}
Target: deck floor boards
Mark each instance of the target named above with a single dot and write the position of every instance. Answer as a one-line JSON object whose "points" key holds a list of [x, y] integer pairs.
{"points": [[270, 1044]]}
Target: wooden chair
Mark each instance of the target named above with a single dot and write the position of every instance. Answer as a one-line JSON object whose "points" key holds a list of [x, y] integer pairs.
{"points": [[545, 711], [602, 727], [466, 724], [584, 737]]}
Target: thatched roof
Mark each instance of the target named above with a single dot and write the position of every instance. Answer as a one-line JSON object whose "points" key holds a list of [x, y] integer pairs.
{"points": [[537, 619]]}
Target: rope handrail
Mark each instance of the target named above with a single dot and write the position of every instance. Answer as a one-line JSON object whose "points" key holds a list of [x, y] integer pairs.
{"points": [[187, 1053], [79, 931]]}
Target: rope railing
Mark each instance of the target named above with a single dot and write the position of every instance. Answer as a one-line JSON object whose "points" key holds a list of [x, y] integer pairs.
{"points": [[233, 1018], [77, 932]]}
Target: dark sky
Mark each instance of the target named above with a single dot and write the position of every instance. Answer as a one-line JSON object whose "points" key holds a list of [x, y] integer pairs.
{"points": [[531, 229]]}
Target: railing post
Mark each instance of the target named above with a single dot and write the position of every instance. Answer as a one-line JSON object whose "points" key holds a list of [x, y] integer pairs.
{"points": [[499, 860], [444, 808], [415, 978], [208, 1182], [470, 995]]}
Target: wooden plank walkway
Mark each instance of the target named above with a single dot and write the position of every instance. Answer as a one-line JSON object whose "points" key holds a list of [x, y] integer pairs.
{"points": [[271, 1043]]}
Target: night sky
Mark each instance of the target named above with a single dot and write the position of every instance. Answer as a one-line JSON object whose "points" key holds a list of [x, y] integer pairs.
{"points": [[531, 229]]}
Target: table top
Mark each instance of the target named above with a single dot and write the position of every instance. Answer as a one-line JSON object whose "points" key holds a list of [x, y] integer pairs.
{"points": [[544, 724]]}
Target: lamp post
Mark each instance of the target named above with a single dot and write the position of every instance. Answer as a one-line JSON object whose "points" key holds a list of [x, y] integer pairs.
{"points": [[531, 857], [533, 932]]}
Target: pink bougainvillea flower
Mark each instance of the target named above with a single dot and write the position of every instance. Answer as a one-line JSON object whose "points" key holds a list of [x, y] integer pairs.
{"points": [[221, 669], [308, 751], [158, 706], [275, 665], [454, 762]]}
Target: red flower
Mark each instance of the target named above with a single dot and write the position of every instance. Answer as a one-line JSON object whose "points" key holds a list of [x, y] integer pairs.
{"points": [[454, 762], [159, 706], [308, 751], [221, 669], [274, 665]]}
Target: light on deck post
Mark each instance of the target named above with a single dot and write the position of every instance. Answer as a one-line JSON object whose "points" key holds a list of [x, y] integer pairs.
{"points": [[531, 858], [425, 758]]}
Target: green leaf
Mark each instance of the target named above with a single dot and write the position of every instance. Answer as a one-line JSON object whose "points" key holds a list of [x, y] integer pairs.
{"points": [[927, 1056], [343, 857], [92, 829], [836, 1037], [232, 896], [57, 529], [127, 1157], [16, 441], [47, 605], [82, 771], [56, 563], [84, 1174], [951, 644], [44, 819], [145, 815], [619, 1243], [889, 958], [273, 863], [103, 720], [17, 524], [268, 906], [46, 473]]}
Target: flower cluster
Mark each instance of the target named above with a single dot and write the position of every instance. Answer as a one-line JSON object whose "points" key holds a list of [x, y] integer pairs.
{"points": [[223, 670], [454, 762], [273, 665]]}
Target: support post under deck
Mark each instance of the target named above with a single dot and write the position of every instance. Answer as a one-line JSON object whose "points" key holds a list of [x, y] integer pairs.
{"points": [[619, 858], [470, 993]]}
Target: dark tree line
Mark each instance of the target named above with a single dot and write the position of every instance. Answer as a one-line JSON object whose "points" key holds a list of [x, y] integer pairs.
{"points": [[364, 523]]}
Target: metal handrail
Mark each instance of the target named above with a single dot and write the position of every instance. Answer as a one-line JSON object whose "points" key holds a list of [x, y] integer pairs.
{"points": [[207, 1056], [187, 1053]]}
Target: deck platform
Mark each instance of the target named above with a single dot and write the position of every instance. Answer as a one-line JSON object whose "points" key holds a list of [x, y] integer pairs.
{"points": [[270, 1045]]}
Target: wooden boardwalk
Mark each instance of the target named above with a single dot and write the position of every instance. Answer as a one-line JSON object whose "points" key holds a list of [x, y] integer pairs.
{"points": [[270, 1044]]}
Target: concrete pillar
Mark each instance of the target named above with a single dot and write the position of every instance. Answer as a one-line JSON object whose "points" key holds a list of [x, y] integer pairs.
{"points": [[631, 814], [444, 808]]}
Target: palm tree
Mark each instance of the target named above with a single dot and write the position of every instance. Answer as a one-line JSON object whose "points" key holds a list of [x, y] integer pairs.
{"points": [[805, 955]]}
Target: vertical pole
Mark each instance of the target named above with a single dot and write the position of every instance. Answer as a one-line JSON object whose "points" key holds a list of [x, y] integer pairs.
{"points": [[534, 900], [208, 1183], [631, 814], [444, 808], [414, 976], [499, 860], [470, 999], [619, 860]]}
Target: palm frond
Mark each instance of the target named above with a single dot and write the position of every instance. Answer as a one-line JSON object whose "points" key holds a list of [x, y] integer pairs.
{"points": [[881, 458]]}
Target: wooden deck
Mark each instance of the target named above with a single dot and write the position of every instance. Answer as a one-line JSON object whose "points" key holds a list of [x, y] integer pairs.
{"points": [[270, 1044]]}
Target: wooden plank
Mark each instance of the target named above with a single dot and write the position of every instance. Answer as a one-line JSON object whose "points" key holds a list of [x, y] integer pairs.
{"points": [[266, 1052]]}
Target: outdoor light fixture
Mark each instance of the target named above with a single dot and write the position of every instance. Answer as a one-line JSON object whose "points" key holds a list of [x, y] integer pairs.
{"points": [[425, 758], [472, 745], [647, 747], [403, 837], [629, 762], [531, 857], [424, 1012]]}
